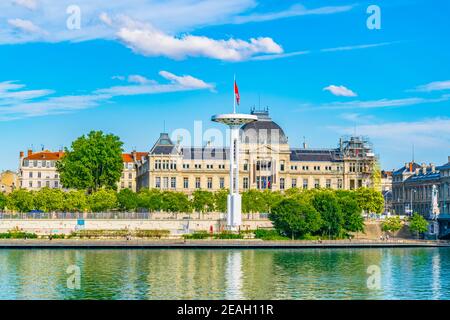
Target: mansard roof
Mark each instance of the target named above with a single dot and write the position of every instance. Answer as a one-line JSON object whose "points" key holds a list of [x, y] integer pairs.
{"points": [[326, 155], [164, 145], [205, 153]]}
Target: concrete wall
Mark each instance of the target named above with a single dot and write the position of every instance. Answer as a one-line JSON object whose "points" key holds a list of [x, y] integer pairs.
{"points": [[56, 226]]}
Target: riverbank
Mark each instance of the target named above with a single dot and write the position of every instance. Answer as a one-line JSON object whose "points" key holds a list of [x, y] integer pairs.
{"points": [[210, 244]]}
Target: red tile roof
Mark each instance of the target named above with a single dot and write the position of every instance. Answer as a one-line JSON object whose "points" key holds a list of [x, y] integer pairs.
{"points": [[48, 155], [45, 155]]}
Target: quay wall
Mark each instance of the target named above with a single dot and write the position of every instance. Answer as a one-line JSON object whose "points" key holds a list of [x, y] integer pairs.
{"points": [[176, 226]]}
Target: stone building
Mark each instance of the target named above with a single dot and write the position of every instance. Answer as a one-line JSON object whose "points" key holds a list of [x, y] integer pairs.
{"points": [[38, 170], [267, 162], [8, 181]]}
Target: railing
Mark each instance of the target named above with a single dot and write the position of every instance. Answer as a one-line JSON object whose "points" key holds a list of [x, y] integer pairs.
{"points": [[127, 216]]}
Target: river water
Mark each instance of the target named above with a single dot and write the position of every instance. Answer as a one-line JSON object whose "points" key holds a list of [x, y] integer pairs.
{"points": [[397, 273]]}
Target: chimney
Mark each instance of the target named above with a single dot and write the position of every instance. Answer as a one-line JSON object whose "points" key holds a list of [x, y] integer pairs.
{"points": [[21, 154], [433, 167], [417, 170], [448, 159], [29, 153], [410, 167]]}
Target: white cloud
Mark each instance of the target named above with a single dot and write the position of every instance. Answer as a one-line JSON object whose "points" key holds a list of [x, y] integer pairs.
{"points": [[16, 103], [426, 134], [294, 11], [29, 4], [382, 103], [136, 78], [26, 26], [340, 91], [186, 81], [149, 41], [355, 47], [279, 56], [434, 86]]}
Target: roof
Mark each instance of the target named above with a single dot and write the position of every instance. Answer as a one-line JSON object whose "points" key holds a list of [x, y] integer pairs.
{"points": [[206, 153], [328, 155], [127, 157], [263, 131], [45, 155], [406, 169], [163, 145], [429, 175]]}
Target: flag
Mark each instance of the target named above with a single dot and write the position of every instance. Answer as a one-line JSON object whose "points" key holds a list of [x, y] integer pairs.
{"points": [[236, 92]]}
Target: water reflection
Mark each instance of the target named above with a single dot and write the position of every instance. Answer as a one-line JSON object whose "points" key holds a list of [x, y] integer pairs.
{"points": [[226, 274]]}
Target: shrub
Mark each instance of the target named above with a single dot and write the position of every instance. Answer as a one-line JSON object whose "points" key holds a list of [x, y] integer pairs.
{"points": [[266, 234], [200, 235], [13, 234], [228, 235]]}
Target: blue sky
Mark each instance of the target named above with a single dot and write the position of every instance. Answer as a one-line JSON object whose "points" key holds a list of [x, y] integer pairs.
{"points": [[133, 65]]}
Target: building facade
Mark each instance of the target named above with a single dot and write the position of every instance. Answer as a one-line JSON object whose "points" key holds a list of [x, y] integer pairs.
{"points": [[8, 181], [37, 170], [412, 188], [267, 162]]}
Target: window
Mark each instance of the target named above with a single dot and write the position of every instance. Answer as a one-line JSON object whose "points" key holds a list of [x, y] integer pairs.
{"points": [[245, 183], [39, 174], [245, 166], [222, 183], [305, 184], [281, 165], [186, 183], [328, 184], [294, 183], [30, 174], [130, 176], [197, 166], [209, 183], [305, 168], [30, 184], [165, 183], [316, 183], [197, 183], [173, 182], [158, 182], [122, 185], [281, 183], [185, 165], [130, 185], [340, 184], [209, 166], [39, 184]]}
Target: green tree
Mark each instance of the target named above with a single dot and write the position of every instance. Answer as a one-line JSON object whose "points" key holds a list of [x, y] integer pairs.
{"points": [[271, 199], [353, 219], [220, 200], [127, 200], [253, 201], [392, 224], [93, 162], [203, 201], [326, 203], [150, 200], [3, 201], [21, 200], [418, 224], [295, 218], [175, 202], [49, 200], [75, 201], [102, 200], [370, 200]]}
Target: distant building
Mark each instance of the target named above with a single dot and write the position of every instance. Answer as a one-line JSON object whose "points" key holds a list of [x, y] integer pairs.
{"points": [[413, 186], [267, 162], [8, 181], [386, 190], [38, 170]]}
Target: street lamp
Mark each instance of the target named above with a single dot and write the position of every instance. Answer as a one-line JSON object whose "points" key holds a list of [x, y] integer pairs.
{"points": [[411, 201]]}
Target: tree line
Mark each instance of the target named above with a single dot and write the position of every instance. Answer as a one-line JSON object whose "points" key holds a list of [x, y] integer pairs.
{"points": [[324, 213], [155, 200]]}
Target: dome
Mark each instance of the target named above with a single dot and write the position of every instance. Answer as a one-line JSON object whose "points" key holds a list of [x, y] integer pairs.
{"points": [[262, 131]]}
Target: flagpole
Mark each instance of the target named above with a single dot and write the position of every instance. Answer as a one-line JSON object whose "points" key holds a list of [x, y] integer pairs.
{"points": [[234, 94]]}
